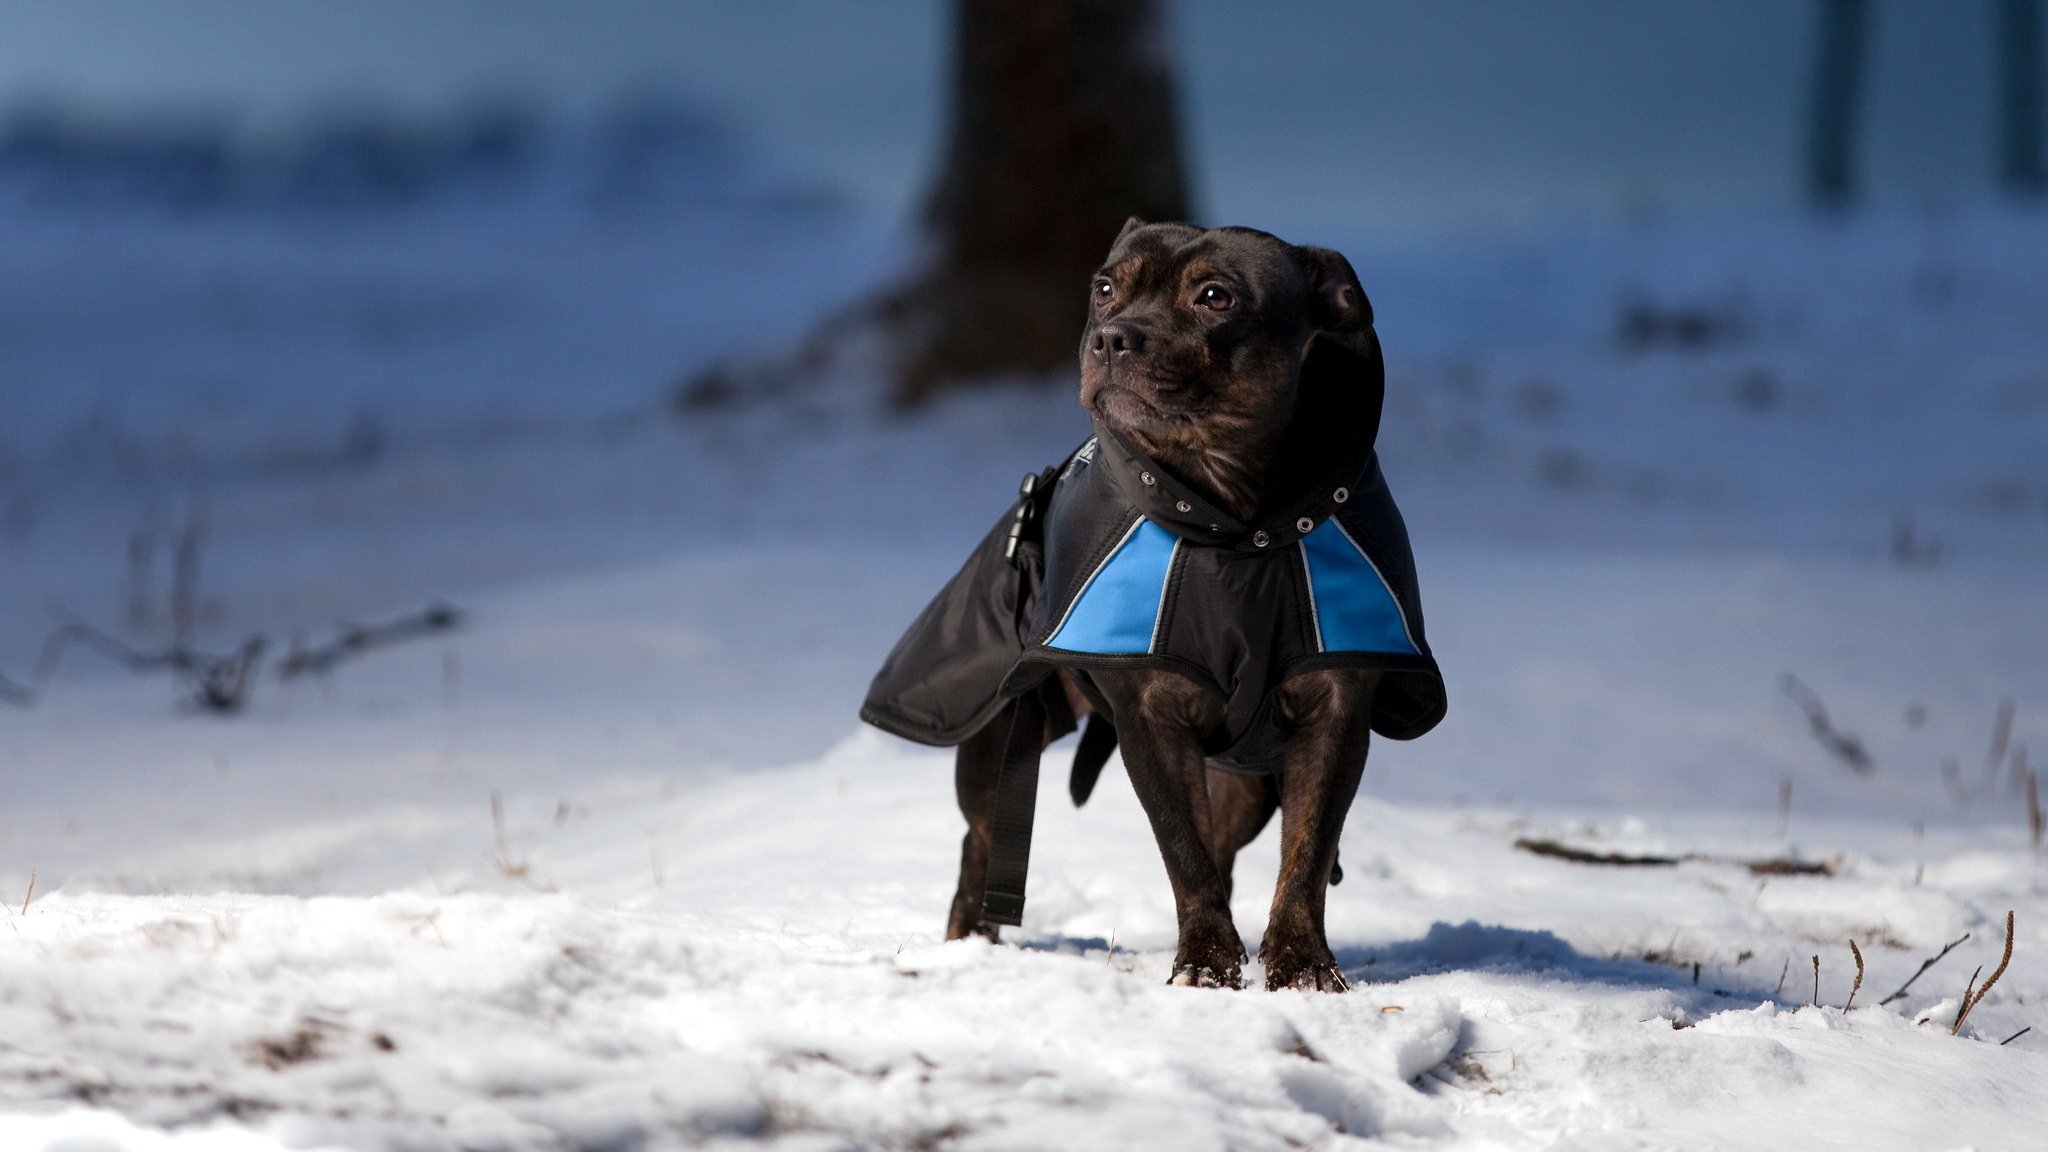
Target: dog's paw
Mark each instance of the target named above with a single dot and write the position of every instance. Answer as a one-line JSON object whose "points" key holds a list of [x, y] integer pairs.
{"points": [[1202, 976], [1304, 965], [1314, 977], [1211, 956]]}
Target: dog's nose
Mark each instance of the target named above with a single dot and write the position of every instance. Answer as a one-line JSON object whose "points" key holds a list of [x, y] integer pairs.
{"points": [[1116, 340]]}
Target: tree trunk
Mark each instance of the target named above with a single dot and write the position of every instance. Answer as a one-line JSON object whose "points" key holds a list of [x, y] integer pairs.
{"points": [[1063, 124], [2019, 97], [1837, 85]]}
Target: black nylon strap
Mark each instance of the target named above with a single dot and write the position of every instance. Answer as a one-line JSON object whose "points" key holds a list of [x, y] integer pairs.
{"points": [[1009, 855]]}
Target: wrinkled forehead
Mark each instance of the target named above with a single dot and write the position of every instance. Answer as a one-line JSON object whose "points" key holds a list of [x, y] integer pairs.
{"points": [[1168, 253]]}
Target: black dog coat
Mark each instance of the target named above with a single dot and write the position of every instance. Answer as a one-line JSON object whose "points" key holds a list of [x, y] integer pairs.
{"points": [[1116, 563]]}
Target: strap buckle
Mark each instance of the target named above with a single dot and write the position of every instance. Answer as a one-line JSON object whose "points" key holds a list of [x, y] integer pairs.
{"points": [[1027, 510]]}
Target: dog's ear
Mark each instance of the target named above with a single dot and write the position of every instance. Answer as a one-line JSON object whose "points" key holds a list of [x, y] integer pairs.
{"points": [[1131, 225], [1339, 302]]}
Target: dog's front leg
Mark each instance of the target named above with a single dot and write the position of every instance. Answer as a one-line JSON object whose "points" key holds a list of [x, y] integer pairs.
{"points": [[1329, 714], [1160, 719]]}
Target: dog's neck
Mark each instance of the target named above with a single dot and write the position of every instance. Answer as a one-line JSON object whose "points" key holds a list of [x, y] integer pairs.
{"points": [[1236, 477], [1234, 481], [1246, 465]]}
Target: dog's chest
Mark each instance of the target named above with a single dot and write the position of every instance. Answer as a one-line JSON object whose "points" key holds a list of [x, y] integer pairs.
{"points": [[1123, 589]]}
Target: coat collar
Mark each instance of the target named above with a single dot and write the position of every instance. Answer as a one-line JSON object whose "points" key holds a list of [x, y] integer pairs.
{"points": [[1341, 390]]}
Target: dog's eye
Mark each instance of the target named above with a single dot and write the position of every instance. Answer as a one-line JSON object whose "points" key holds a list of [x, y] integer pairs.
{"points": [[1104, 291], [1216, 298]]}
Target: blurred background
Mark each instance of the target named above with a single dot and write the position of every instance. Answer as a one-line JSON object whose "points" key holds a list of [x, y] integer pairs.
{"points": [[1715, 334], [470, 456], [1460, 114]]}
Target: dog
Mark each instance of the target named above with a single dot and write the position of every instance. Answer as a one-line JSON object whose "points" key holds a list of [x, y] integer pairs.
{"points": [[1218, 582]]}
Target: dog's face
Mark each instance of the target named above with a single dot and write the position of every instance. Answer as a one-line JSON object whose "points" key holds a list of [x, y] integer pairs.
{"points": [[1195, 337]]}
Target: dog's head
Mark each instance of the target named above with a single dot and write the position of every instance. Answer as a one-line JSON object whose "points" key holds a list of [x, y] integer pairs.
{"points": [[1196, 337]]}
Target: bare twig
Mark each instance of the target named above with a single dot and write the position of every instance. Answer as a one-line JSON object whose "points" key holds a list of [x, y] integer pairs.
{"points": [[1782, 973], [1816, 980], [356, 639], [1768, 866], [1929, 963], [1971, 1001], [217, 683], [1858, 985], [1844, 746], [2016, 1035], [1781, 865], [1559, 851]]}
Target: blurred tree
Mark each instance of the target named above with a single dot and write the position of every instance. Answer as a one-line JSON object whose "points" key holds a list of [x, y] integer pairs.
{"points": [[1837, 84], [1063, 123], [2019, 97]]}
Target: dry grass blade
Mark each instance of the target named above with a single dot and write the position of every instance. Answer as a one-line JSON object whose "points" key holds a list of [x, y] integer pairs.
{"points": [[2016, 1035], [1952, 779], [1858, 985], [1969, 993], [1782, 973], [1922, 970], [2001, 742], [31, 893], [1971, 1000], [2037, 822], [511, 869]]}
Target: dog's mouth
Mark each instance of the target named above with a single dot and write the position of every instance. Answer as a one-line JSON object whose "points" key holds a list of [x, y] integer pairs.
{"points": [[1125, 402]]}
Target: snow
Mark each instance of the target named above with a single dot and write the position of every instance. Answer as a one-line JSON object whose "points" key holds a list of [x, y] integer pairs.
{"points": [[613, 866]]}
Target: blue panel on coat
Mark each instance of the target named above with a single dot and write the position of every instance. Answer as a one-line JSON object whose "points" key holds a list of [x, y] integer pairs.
{"points": [[1355, 610], [1119, 609]]}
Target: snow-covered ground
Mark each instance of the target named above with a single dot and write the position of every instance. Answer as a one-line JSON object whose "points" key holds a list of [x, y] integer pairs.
{"points": [[613, 866]]}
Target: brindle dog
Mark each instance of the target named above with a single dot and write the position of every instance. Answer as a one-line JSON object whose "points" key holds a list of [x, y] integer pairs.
{"points": [[1193, 351]]}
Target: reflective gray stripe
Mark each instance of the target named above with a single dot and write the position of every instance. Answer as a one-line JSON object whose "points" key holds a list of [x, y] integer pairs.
{"points": [[1399, 610], [1107, 557], [1159, 613], [1308, 579]]}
